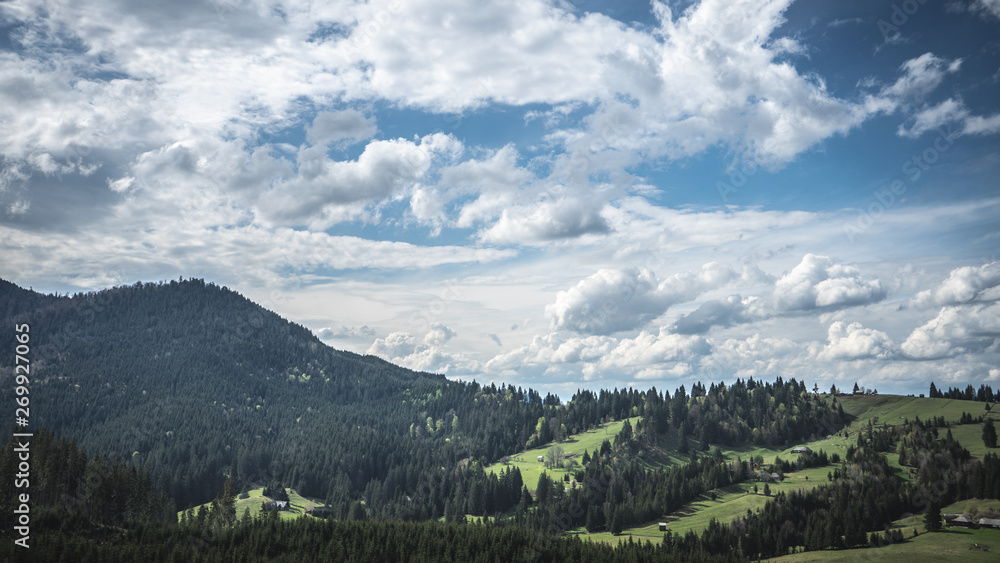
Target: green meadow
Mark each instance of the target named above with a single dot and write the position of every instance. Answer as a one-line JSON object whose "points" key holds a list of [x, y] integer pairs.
{"points": [[573, 448], [734, 500], [256, 499]]}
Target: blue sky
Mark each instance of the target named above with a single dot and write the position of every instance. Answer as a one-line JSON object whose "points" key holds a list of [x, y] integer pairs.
{"points": [[556, 194]]}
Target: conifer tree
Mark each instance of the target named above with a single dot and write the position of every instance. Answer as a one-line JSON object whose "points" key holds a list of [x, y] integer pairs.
{"points": [[989, 434], [932, 520]]}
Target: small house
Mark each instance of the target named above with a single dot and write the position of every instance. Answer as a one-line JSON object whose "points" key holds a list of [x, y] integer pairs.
{"points": [[802, 450], [663, 526], [948, 517], [541, 458], [277, 505], [989, 522], [962, 521]]}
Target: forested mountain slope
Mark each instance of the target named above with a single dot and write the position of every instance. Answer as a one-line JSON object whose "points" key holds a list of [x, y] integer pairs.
{"points": [[194, 382]]}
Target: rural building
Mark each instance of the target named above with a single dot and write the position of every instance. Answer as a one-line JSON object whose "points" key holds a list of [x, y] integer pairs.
{"points": [[802, 450], [320, 511], [962, 521], [277, 505], [541, 458], [663, 526], [948, 517], [989, 522]]}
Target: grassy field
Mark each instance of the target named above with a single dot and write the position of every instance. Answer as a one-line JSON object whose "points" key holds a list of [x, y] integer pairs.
{"points": [[947, 546], [893, 409], [573, 446], [735, 500], [952, 544], [730, 502], [299, 504]]}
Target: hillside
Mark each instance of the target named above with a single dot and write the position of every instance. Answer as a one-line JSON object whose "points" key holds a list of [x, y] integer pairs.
{"points": [[189, 378], [735, 500], [195, 382]]}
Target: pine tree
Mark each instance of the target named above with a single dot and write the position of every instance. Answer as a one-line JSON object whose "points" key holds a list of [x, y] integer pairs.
{"points": [[616, 522], [989, 434], [543, 488], [357, 511], [932, 520]]}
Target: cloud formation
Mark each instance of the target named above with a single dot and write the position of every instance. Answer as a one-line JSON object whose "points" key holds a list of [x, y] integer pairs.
{"points": [[964, 285], [854, 342], [956, 330], [817, 282], [611, 301]]}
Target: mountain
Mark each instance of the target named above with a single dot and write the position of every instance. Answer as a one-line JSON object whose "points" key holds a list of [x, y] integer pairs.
{"points": [[195, 383], [190, 378]]}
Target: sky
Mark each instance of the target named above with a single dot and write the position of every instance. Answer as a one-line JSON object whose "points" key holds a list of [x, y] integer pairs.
{"points": [[554, 194]]}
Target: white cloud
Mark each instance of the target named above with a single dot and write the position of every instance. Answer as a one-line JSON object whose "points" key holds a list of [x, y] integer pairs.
{"points": [[323, 185], [345, 333], [951, 112], [854, 342], [564, 218], [964, 285], [990, 7], [395, 345], [615, 300], [335, 126], [650, 349], [404, 349], [719, 313], [754, 356], [921, 75], [818, 282], [600, 356], [956, 330], [438, 334]]}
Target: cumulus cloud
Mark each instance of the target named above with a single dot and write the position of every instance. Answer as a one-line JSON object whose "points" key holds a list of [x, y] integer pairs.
{"points": [[384, 168], [956, 330], [650, 349], [438, 334], [855, 342], [754, 356], [598, 356], [397, 344], [616, 300], [817, 282], [547, 221], [964, 285], [405, 349], [716, 313]]}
